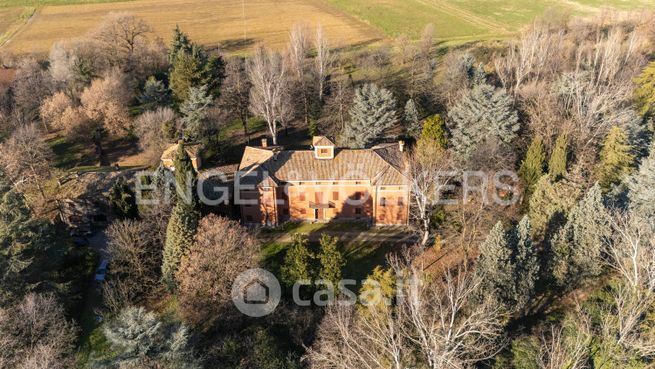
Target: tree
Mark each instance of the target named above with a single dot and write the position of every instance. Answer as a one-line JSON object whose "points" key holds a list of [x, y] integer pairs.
{"points": [[193, 66], [411, 119], [323, 60], [525, 258], [532, 167], [331, 259], [550, 202], [135, 250], [122, 38], [25, 155], [558, 158], [485, 113], [179, 43], [222, 250], [31, 85], [266, 70], [640, 188], [156, 131], [434, 131], [194, 112], [616, 158], [373, 111], [52, 110], [645, 92], [31, 257], [235, 93], [184, 218], [577, 247], [154, 94], [495, 263], [298, 261], [138, 337], [297, 52], [35, 334], [123, 200]]}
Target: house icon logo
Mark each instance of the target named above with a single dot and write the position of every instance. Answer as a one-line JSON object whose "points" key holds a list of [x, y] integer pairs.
{"points": [[256, 292]]}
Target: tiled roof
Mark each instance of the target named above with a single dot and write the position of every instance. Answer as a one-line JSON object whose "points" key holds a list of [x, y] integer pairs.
{"points": [[382, 165], [171, 151], [321, 141]]}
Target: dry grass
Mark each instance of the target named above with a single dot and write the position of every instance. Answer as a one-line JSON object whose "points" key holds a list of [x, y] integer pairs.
{"points": [[207, 21]]}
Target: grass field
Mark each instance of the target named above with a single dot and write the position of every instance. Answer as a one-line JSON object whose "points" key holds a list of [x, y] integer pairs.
{"points": [[206, 21], [239, 24]]}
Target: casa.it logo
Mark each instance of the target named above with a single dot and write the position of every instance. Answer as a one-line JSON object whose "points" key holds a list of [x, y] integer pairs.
{"points": [[256, 292]]}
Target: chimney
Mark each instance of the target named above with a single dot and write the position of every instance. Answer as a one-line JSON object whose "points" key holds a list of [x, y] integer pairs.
{"points": [[264, 142], [401, 145]]}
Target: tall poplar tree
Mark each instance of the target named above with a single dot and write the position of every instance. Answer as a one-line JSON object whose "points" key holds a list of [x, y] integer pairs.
{"points": [[616, 158]]}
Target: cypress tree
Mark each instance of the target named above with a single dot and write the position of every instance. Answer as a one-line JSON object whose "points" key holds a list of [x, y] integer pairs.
{"points": [[373, 111], [645, 92], [532, 167], [558, 158], [184, 218], [434, 130], [616, 158], [332, 261]]}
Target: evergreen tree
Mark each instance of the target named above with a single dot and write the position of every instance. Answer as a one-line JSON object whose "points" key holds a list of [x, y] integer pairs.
{"points": [[154, 95], [180, 42], [184, 217], [641, 188], [298, 261], [525, 259], [411, 119], [495, 263], [194, 112], [576, 248], [123, 200], [31, 256], [616, 158], [532, 167], [434, 130], [186, 73], [331, 259], [378, 288], [484, 113], [550, 202], [645, 91], [139, 339], [373, 111], [558, 158]]}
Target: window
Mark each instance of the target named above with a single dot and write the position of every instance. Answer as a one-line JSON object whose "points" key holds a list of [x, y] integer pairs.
{"points": [[401, 201], [323, 151], [358, 211], [381, 216], [318, 197], [335, 195], [301, 196], [383, 201], [303, 211]]}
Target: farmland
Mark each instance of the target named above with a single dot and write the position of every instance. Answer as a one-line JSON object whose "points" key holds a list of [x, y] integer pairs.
{"points": [[34, 25]]}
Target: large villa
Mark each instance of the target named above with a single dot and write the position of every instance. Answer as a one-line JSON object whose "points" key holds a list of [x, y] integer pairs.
{"points": [[323, 184]]}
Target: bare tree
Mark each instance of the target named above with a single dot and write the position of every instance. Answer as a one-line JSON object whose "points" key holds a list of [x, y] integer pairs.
{"points": [[266, 70], [297, 53], [223, 249], [134, 248], [156, 130], [559, 350], [31, 85], [323, 60], [429, 167], [36, 334], [120, 35], [26, 156], [235, 92]]}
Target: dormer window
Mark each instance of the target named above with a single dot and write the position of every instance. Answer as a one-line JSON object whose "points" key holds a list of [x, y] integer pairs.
{"points": [[323, 147]]}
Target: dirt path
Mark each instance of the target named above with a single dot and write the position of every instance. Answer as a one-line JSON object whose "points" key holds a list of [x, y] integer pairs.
{"points": [[16, 29]]}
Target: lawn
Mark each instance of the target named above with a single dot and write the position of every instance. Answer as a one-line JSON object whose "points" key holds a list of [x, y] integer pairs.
{"points": [[237, 25]]}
